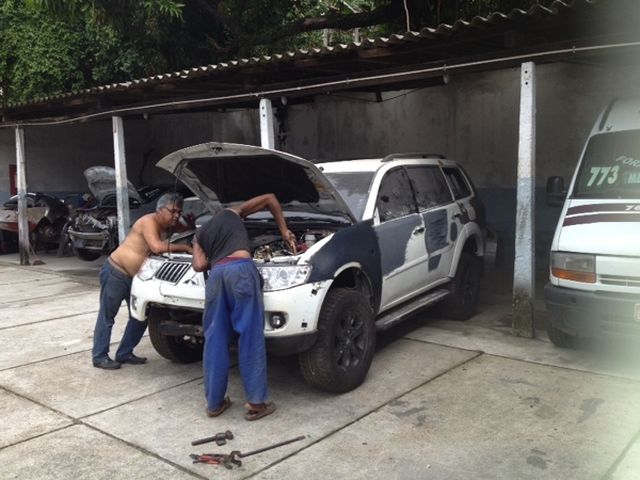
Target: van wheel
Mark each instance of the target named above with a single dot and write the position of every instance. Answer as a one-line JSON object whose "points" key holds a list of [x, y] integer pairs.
{"points": [[178, 349], [558, 337], [461, 303], [340, 359]]}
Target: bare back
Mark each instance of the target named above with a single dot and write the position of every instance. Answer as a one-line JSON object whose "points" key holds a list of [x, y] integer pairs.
{"points": [[131, 253]]}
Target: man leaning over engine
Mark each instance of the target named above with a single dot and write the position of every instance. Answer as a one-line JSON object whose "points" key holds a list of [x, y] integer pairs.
{"points": [[149, 234]]}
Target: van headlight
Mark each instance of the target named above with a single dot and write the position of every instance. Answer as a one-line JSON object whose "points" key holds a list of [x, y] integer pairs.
{"points": [[577, 267], [282, 277], [149, 268]]}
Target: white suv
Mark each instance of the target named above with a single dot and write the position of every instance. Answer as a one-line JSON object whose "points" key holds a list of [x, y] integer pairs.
{"points": [[378, 240]]}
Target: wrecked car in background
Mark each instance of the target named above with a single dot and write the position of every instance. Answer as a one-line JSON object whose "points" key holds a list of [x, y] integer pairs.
{"points": [[377, 240], [93, 229], [46, 217]]}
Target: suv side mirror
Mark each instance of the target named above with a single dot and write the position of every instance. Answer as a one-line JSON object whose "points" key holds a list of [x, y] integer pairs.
{"points": [[556, 192]]}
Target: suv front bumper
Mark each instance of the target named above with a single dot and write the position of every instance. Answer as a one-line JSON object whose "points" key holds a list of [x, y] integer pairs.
{"points": [[300, 306]]}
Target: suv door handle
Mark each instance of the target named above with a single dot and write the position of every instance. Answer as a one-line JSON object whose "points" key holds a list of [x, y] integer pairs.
{"points": [[457, 215], [418, 230]]}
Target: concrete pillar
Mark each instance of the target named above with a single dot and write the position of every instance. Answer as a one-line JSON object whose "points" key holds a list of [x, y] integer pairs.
{"points": [[267, 136], [27, 255], [524, 262], [122, 189]]}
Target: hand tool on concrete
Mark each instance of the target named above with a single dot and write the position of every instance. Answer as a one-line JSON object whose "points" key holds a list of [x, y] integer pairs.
{"points": [[223, 459], [208, 458], [220, 438], [233, 458]]}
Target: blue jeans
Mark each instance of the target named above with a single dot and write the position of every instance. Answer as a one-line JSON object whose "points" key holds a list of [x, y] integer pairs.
{"points": [[115, 287], [233, 303]]}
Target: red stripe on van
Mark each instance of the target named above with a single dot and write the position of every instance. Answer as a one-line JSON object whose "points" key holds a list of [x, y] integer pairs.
{"points": [[602, 207], [602, 218]]}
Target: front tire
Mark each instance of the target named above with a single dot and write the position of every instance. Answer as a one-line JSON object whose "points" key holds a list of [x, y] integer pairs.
{"points": [[558, 337], [47, 234], [340, 359], [86, 255], [178, 349], [461, 303]]}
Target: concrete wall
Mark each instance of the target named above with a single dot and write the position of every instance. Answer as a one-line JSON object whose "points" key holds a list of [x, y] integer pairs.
{"points": [[56, 156], [474, 119], [171, 132]]}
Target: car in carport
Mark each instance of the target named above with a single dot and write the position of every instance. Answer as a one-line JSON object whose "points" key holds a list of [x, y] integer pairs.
{"points": [[46, 216], [378, 239], [92, 230]]}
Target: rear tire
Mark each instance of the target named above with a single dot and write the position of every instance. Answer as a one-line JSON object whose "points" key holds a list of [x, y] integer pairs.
{"points": [[178, 349], [461, 303], [340, 359]]}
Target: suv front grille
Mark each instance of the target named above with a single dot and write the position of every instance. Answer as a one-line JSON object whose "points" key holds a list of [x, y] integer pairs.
{"points": [[172, 271], [620, 280]]}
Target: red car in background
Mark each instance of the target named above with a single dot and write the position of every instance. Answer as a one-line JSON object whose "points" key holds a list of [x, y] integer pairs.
{"points": [[46, 215]]}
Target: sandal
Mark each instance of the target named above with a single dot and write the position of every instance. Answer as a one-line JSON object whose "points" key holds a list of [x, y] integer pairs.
{"points": [[226, 403], [253, 414]]}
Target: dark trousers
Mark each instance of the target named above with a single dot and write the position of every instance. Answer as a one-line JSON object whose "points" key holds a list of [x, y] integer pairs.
{"points": [[115, 287]]}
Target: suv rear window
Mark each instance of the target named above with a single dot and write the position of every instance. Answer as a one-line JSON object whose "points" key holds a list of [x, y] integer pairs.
{"points": [[458, 183]]}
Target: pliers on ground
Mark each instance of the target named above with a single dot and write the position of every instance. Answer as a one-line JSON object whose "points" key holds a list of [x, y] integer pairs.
{"points": [[227, 461]]}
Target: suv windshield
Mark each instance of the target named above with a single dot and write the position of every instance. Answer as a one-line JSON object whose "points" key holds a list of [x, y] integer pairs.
{"points": [[353, 187], [611, 167]]}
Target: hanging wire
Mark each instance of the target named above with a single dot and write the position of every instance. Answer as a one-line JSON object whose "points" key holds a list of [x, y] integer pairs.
{"points": [[406, 11]]}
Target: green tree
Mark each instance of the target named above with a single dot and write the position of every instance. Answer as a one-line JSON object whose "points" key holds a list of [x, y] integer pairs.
{"points": [[37, 54], [53, 46]]}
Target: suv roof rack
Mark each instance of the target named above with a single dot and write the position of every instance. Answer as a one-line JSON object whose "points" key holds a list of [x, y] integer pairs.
{"points": [[394, 156]]}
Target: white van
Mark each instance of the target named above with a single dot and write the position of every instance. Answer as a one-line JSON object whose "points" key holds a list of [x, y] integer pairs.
{"points": [[594, 278]]}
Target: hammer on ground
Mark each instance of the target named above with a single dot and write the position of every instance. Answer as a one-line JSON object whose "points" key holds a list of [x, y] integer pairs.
{"points": [[220, 438]]}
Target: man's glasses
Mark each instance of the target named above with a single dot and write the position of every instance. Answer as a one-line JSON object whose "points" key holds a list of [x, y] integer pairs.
{"points": [[173, 211]]}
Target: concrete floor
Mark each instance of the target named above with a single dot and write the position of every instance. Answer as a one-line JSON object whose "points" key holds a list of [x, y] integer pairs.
{"points": [[443, 400]]}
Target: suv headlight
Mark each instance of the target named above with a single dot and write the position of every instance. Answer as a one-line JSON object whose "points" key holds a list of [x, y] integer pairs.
{"points": [[282, 277], [577, 267], [149, 268]]}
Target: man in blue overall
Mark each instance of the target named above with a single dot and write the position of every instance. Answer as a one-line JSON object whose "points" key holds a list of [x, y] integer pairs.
{"points": [[233, 303], [149, 233]]}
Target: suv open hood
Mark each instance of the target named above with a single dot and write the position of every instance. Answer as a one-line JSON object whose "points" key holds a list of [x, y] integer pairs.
{"points": [[222, 174], [102, 182]]}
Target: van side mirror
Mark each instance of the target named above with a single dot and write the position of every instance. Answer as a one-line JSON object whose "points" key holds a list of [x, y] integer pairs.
{"points": [[556, 192]]}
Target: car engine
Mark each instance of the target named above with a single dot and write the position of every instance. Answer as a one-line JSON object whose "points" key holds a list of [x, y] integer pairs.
{"points": [[93, 232], [96, 220], [266, 247]]}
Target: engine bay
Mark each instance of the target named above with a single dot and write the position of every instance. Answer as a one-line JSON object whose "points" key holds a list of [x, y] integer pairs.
{"points": [[266, 244], [266, 247], [95, 219]]}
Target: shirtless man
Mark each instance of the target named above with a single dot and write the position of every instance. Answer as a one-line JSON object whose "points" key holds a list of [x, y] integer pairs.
{"points": [[149, 234]]}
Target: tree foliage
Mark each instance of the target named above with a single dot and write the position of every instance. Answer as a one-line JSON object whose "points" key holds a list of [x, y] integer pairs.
{"points": [[53, 46]]}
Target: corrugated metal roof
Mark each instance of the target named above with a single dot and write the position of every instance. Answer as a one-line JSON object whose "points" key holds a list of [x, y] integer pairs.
{"points": [[462, 39]]}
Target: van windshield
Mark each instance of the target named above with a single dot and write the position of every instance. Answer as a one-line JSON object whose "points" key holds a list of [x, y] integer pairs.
{"points": [[611, 167]]}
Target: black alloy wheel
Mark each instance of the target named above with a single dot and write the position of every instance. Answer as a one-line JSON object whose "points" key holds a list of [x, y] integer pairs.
{"points": [[340, 359]]}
